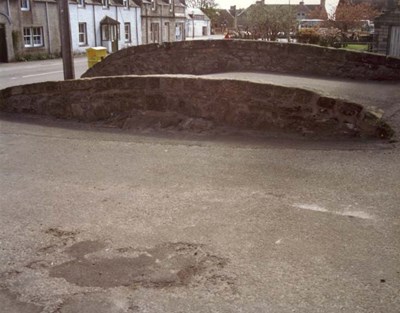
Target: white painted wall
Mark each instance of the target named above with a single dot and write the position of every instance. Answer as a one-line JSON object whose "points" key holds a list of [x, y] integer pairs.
{"points": [[93, 14], [198, 28], [194, 27]]}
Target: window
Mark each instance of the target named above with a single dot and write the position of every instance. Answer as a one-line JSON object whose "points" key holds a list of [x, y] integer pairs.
{"points": [[81, 3], [105, 4], [25, 5], [33, 37], [154, 5], [125, 3], [127, 32], [82, 33]]}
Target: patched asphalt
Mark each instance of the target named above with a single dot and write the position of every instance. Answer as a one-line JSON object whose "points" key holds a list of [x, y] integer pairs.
{"points": [[106, 220]]}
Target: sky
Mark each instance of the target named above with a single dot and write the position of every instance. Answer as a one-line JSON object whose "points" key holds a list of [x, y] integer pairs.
{"points": [[226, 4]]}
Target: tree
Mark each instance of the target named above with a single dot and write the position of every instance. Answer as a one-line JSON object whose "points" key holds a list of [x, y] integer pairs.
{"points": [[266, 21], [318, 13], [349, 16]]}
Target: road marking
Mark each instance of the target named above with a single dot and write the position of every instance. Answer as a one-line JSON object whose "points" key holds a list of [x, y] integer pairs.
{"points": [[317, 208], [41, 74], [311, 207]]}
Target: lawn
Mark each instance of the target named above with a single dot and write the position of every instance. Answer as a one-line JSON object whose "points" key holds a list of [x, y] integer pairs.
{"points": [[358, 47]]}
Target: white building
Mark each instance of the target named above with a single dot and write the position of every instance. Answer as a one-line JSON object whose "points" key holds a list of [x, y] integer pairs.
{"points": [[197, 23], [114, 24]]}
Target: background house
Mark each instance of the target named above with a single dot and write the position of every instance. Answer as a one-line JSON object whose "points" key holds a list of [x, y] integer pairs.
{"points": [[162, 20], [197, 23], [28, 28], [387, 31], [114, 24], [222, 21]]}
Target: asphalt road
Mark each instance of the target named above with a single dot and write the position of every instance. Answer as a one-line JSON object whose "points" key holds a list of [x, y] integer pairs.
{"points": [[97, 220], [104, 220], [21, 73]]}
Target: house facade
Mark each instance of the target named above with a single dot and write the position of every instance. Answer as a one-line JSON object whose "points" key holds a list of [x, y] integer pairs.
{"points": [[28, 28], [162, 20], [197, 23], [114, 24], [32, 27]]}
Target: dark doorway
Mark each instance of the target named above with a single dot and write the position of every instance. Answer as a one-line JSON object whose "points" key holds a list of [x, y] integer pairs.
{"points": [[3, 44], [110, 33]]}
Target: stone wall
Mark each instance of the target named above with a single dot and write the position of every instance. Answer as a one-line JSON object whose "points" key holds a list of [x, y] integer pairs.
{"points": [[194, 103], [216, 56]]}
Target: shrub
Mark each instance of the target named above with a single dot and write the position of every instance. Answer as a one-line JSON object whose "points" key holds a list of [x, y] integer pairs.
{"points": [[308, 35], [330, 37]]}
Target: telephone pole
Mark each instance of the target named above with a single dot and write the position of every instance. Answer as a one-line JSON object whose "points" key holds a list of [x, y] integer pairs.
{"points": [[65, 34]]}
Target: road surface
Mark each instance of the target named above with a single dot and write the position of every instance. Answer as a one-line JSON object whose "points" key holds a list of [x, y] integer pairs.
{"points": [[104, 220], [97, 220], [22, 73]]}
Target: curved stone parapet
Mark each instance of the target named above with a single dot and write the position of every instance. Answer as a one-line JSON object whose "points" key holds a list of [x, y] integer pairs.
{"points": [[195, 103], [216, 56]]}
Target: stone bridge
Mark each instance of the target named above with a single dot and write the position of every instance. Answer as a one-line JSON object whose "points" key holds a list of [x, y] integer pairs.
{"points": [[195, 103], [217, 56], [128, 90]]}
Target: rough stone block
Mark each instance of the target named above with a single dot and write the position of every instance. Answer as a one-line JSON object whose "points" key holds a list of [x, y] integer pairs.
{"points": [[349, 109], [327, 103], [156, 102]]}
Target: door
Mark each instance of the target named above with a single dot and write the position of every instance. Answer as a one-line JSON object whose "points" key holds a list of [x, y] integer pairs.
{"points": [[114, 36], [394, 44], [3, 44], [154, 33], [166, 36]]}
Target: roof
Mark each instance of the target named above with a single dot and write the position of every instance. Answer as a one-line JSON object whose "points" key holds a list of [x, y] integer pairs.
{"points": [[223, 15], [196, 11], [109, 21]]}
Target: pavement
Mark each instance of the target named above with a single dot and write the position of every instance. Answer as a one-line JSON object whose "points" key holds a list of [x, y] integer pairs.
{"points": [[104, 220]]}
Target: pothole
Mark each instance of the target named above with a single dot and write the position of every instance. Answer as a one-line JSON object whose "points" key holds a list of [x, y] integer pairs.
{"points": [[166, 265]]}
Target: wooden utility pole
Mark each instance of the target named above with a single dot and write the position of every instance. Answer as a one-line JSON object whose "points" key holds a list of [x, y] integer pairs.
{"points": [[65, 34]]}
